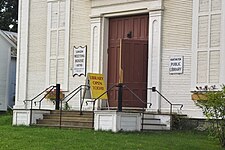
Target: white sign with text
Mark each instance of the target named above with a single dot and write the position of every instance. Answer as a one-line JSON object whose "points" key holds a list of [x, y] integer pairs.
{"points": [[80, 61], [176, 65]]}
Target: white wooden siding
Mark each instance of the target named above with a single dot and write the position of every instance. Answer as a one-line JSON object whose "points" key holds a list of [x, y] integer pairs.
{"points": [[98, 3], [177, 41], [176, 24], [79, 36], [4, 73], [37, 48]]}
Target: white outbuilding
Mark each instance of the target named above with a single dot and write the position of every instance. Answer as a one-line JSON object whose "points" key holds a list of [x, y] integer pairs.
{"points": [[8, 52]]}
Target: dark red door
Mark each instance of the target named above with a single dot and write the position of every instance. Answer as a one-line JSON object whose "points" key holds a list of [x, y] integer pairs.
{"points": [[128, 35]]}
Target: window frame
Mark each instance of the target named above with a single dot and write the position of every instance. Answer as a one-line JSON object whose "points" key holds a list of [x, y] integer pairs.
{"points": [[208, 49], [65, 84]]}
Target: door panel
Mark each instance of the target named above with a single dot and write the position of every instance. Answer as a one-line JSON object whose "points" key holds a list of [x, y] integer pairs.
{"points": [[134, 66], [134, 58]]}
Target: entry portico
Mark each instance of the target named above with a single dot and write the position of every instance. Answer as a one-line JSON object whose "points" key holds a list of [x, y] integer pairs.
{"points": [[100, 23]]}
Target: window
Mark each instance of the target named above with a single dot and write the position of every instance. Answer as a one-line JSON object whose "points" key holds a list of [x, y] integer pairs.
{"points": [[58, 43], [207, 41]]}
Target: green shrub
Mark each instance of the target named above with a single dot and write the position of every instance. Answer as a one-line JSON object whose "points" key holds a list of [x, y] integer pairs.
{"points": [[214, 109]]}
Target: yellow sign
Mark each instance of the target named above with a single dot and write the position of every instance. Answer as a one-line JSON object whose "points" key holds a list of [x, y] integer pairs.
{"points": [[97, 86]]}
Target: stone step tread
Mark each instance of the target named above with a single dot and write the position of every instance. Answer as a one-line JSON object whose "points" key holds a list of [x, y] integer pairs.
{"points": [[66, 123], [151, 119], [148, 130], [85, 124], [68, 115], [71, 112], [64, 120], [155, 113], [152, 124], [63, 126]]}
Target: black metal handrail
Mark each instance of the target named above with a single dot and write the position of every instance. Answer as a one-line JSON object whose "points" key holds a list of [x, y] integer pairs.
{"points": [[93, 101], [74, 93], [116, 85], [70, 96], [150, 104], [52, 88], [32, 100], [170, 103]]}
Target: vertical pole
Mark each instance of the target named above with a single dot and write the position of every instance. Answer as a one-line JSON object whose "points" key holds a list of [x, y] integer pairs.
{"points": [[81, 100], [57, 96], [60, 115], [31, 112], [93, 115], [120, 97]]}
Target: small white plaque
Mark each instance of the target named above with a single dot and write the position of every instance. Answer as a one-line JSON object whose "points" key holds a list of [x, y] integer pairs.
{"points": [[80, 61], [176, 65]]}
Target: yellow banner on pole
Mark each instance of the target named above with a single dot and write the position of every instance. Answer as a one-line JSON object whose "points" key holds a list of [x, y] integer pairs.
{"points": [[97, 86]]}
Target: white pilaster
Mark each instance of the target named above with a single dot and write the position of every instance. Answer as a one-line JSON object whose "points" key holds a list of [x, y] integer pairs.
{"points": [[222, 44], [95, 50], [22, 53], [154, 61]]}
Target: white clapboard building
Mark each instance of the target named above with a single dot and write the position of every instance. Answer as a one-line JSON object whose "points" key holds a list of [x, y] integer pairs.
{"points": [[8, 48], [171, 45]]}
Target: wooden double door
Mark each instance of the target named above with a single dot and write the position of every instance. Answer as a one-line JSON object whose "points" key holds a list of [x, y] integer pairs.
{"points": [[128, 59]]}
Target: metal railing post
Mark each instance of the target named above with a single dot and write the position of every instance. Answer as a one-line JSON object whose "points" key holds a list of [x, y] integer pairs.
{"points": [[60, 115], [93, 114], [171, 104], [31, 107], [57, 96], [120, 97], [81, 102]]}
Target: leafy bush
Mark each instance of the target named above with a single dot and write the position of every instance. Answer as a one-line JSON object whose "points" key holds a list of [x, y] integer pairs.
{"points": [[214, 109]]}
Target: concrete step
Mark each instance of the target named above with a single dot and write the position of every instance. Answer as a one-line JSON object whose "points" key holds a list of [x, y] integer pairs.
{"points": [[147, 127], [63, 126], [155, 121], [151, 121], [71, 112], [70, 119], [65, 122], [67, 115]]}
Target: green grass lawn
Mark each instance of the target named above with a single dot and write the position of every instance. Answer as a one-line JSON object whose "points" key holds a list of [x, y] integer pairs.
{"points": [[35, 138]]}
